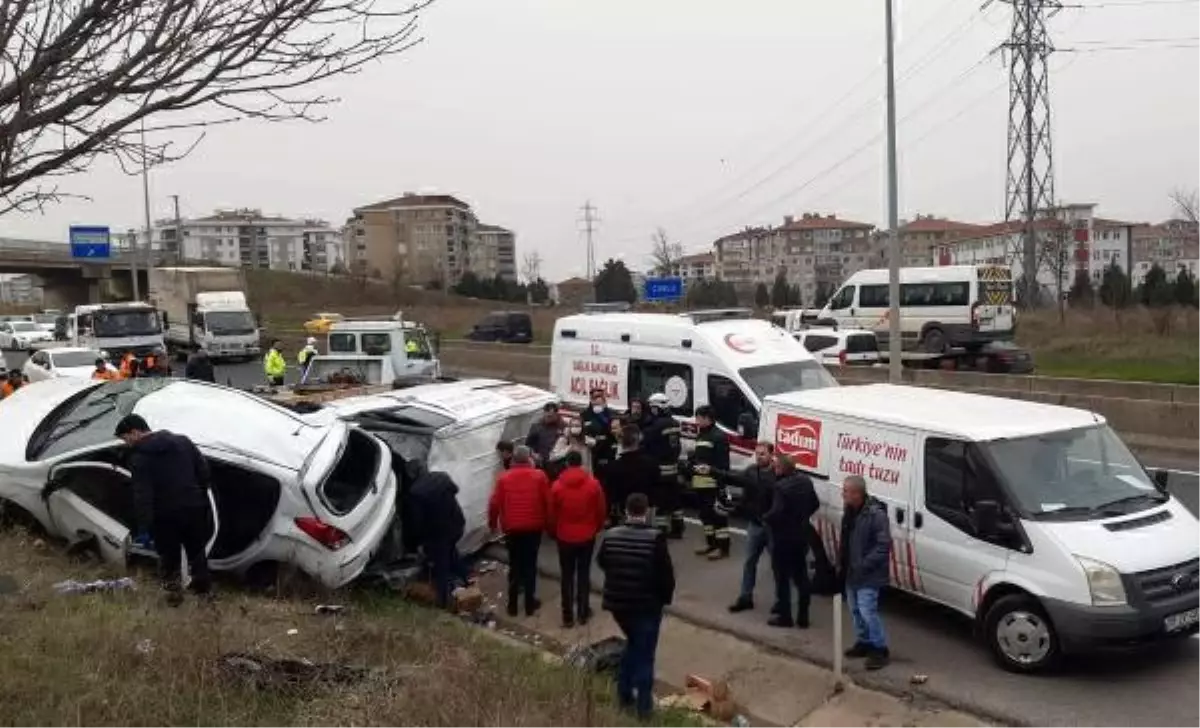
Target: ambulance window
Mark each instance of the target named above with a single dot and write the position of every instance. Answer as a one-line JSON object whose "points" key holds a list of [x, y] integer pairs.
{"points": [[727, 401], [649, 377]]}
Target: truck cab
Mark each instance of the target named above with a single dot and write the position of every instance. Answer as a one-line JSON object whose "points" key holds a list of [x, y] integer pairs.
{"points": [[118, 329], [361, 352]]}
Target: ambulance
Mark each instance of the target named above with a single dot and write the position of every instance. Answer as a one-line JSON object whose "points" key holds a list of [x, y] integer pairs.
{"points": [[725, 358], [1032, 519]]}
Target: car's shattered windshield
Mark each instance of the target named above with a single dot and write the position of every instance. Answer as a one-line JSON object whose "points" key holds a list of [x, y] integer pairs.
{"points": [[89, 418]]}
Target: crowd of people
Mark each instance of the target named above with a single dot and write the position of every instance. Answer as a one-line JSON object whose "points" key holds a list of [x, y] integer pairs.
{"points": [[621, 481]]}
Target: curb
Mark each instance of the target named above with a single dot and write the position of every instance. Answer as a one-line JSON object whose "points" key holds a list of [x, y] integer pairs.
{"points": [[498, 553]]}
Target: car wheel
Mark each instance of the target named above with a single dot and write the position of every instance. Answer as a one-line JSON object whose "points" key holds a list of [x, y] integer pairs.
{"points": [[1020, 634], [934, 341]]}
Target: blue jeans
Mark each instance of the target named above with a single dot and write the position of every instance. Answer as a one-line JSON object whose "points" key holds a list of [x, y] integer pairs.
{"points": [[635, 677], [756, 543], [864, 610]]}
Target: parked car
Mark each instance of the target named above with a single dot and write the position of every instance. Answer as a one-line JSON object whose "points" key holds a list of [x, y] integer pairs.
{"points": [[509, 327], [320, 323], [320, 496], [1004, 357], [22, 335], [840, 347], [70, 361]]}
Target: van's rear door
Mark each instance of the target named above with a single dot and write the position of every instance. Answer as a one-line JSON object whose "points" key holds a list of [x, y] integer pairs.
{"points": [[994, 302], [344, 478]]}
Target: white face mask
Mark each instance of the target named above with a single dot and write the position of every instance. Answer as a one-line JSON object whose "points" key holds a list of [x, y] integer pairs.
{"points": [[597, 408]]}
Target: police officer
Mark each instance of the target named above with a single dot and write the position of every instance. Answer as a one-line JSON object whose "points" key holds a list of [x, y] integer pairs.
{"points": [[705, 466], [596, 424], [660, 440]]}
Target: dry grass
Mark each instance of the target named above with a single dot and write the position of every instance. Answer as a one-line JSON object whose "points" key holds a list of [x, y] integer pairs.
{"points": [[74, 659], [1108, 344]]}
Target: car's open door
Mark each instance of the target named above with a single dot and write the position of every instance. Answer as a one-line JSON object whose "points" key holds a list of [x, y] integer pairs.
{"points": [[77, 520]]}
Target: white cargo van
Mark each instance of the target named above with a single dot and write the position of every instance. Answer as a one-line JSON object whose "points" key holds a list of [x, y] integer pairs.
{"points": [[940, 307], [723, 358], [1033, 519]]}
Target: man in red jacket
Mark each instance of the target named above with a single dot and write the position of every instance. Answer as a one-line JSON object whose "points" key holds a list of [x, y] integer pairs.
{"points": [[518, 510], [577, 513]]}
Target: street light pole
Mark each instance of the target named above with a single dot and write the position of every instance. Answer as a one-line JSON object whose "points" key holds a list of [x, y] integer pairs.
{"points": [[133, 267], [894, 344]]}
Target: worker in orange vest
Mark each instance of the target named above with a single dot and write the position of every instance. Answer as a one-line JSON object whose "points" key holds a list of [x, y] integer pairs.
{"points": [[15, 381], [126, 367]]}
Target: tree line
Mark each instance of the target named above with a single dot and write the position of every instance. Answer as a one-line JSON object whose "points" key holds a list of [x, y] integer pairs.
{"points": [[1157, 290], [501, 289]]}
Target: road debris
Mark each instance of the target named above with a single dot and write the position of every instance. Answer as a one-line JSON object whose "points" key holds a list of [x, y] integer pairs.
{"points": [[710, 697], [293, 632], [144, 647], [71, 586], [601, 656], [919, 679], [330, 609]]}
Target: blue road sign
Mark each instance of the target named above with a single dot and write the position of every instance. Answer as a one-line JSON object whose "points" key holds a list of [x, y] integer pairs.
{"points": [[663, 289], [88, 241]]}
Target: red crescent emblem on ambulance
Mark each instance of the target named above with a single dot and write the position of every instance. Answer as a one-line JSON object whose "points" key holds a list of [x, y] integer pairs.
{"points": [[740, 343]]}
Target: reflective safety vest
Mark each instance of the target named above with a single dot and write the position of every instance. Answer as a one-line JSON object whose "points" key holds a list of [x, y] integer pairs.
{"points": [[107, 375], [125, 368], [305, 354], [7, 389], [274, 364], [712, 450], [410, 347]]}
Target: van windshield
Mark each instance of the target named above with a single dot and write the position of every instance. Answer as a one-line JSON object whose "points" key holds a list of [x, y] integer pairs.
{"points": [[787, 376], [1084, 473]]}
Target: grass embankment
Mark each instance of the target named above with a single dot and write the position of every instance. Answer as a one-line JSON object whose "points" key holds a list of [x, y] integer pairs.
{"points": [[1107, 344], [125, 659], [287, 300]]}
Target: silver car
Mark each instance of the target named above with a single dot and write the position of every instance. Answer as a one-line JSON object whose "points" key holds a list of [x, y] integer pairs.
{"points": [[319, 496]]}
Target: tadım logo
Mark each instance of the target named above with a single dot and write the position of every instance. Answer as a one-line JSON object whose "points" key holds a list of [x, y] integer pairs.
{"points": [[800, 439]]}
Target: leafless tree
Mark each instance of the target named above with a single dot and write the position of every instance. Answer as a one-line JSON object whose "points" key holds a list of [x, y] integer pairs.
{"points": [[665, 254], [80, 78], [1187, 203], [531, 266]]}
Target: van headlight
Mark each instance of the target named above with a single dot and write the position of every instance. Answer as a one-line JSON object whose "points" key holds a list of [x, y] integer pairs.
{"points": [[1104, 582]]}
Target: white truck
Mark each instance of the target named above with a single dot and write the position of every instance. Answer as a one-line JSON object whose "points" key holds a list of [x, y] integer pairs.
{"points": [[363, 352], [118, 329], [206, 308]]}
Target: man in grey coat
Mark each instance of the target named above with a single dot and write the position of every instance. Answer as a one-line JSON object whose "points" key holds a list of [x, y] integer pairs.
{"points": [[866, 547]]}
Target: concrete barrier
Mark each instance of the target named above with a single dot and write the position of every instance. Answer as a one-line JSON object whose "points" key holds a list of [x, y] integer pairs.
{"points": [[1169, 417]]}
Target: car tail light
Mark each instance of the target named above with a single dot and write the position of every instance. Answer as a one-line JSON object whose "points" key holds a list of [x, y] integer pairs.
{"points": [[975, 315], [330, 537], [842, 357]]}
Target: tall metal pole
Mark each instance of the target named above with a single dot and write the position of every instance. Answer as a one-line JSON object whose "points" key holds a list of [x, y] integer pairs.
{"points": [[894, 343], [133, 263]]}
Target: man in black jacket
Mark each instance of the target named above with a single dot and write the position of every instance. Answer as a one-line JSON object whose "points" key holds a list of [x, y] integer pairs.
{"points": [[170, 500], [544, 434], [200, 367], [435, 523], [794, 503], [757, 482], [639, 581], [597, 430], [634, 471]]}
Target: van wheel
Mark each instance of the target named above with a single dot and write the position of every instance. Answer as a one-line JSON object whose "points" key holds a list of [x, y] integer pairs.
{"points": [[1020, 635], [934, 341]]}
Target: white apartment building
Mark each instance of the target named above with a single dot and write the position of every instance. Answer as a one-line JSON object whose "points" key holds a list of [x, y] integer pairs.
{"points": [[1172, 245], [1071, 239], [495, 253], [696, 267], [248, 238]]}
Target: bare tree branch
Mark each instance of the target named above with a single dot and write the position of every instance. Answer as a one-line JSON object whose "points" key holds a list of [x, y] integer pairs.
{"points": [[79, 77], [1187, 203], [665, 254], [531, 266]]}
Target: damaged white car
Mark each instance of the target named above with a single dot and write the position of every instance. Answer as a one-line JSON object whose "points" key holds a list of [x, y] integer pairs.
{"points": [[452, 427], [320, 495]]}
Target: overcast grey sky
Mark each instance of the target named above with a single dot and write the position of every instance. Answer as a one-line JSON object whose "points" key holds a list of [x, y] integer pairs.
{"points": [[701, 117]]}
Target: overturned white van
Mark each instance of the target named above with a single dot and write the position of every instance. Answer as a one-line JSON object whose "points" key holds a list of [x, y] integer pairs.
{"points": [[1033, 519]]}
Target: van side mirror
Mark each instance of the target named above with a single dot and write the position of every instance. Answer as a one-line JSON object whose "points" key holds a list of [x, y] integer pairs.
{"points": [[1161, 478], [985, 518]]}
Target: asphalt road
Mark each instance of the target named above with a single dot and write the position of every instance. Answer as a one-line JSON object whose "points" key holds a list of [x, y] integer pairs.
{"points": [[1149, 686]]}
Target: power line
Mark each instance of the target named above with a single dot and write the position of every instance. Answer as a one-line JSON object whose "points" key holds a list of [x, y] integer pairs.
{"points": [[1126, 4], [1105, 49], [953, 37], [1135, 40]]}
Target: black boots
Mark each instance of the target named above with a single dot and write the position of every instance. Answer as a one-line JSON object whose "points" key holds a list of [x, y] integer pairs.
{"points": [[877, 658], [741, 605]]}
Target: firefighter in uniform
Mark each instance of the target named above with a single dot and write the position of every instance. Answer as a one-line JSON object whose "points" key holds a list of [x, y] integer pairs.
{"points": [[705, 466], [660, 440]]}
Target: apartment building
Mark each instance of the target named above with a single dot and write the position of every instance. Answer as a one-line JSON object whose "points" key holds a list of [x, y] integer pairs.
{"points": [[696, 267], [428, 239], [495, 254], [246, 237], [1070, 239], [815, 252], [921, 236], [1172, 245]]}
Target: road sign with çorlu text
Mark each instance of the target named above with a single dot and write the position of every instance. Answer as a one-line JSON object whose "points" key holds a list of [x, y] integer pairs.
{"points": [[663, 289], [90, 242]]}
